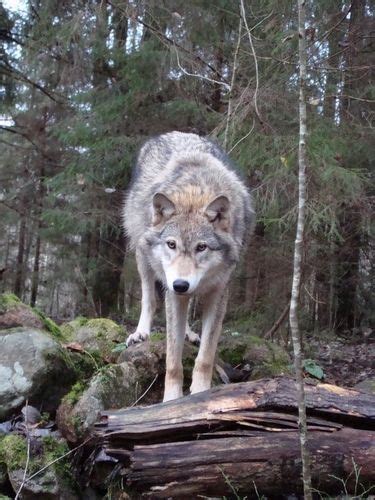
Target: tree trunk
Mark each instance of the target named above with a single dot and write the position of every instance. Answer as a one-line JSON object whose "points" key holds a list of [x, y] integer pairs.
{"points": [[298, 252], [40, 201], [241, 436], [348, 249], [18, 283], [35, 278]]}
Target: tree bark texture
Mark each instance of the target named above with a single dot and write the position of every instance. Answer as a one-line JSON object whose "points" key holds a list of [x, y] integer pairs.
{"points": [[241, 439]]}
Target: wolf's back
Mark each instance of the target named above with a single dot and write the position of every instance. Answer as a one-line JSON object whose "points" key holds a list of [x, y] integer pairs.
{"points": [[175, 162]]}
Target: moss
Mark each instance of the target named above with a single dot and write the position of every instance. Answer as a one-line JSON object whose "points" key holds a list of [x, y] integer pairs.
{"points": [[8, 300], [55, 449], [13, 452], [103, 326], [68, 329], [49, 325], [107, 374], [75, 392], [233, 355], [156, 336], [85, 364]]}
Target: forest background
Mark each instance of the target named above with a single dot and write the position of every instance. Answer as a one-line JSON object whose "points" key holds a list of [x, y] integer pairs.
{"points": [[84, 84]]}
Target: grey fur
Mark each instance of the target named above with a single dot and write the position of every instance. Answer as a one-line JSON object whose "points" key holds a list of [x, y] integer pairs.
{"points": [[187, 215]]}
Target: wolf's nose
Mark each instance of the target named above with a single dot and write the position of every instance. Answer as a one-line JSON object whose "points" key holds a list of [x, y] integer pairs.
{"points": [[181, 286]]}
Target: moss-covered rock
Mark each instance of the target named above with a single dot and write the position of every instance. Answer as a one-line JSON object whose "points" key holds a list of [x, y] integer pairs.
{"points": [[114, 386], [55, 482], [149, 359], [97, 336], [263, 357], [70, 328], [14, 313], [33, 366], [8, 301]]}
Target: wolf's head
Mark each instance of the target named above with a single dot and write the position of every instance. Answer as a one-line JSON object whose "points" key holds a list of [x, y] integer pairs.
{"points": [[192, 242]]}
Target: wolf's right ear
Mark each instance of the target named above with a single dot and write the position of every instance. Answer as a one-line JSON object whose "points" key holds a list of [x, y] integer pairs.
{"points": [[163, 208]]}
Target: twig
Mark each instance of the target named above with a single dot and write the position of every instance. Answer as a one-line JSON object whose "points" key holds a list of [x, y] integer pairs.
{"points": [[242, 138], [27, 456], [58, 459], [278, 323], [165, 38], [313, 298], [230, 99], [146, 391], [201, 77], [255, 98]]}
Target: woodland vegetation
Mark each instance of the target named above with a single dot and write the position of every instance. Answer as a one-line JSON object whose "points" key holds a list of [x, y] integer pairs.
{"points": [[83, 84]]}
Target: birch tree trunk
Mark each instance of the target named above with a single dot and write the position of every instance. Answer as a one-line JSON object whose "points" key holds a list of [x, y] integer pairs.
{"points": [[298, 247]]}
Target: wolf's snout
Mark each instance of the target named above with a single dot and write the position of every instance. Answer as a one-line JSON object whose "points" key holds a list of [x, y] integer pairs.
{"points": [[181, 286]]}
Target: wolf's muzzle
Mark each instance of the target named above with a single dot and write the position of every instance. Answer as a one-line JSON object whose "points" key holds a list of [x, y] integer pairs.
{"points": [[181, 286]]}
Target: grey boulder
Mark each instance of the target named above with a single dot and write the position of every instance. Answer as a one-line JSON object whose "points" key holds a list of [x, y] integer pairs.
{"points": [[33, 367]]}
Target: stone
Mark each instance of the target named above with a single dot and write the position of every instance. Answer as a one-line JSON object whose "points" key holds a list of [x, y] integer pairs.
{"points": [[114, 386], [14, 313], [119, 386], [366, 385], [33, 367], [263, 358], [99, 335], [53, 483]]}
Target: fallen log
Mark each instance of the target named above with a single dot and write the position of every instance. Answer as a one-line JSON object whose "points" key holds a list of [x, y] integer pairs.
{"points": [[242, 439]]}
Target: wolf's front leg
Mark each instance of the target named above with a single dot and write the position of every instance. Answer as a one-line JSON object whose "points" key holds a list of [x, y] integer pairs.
{"points": [[212, 319], [176, 311], [148, 300]]}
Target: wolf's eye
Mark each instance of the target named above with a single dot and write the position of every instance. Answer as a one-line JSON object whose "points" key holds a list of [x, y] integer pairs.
{"points": [[201, 247], [171, 244]]}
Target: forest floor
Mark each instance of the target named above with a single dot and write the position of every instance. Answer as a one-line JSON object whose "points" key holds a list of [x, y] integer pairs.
{"points": [[345, 361]]}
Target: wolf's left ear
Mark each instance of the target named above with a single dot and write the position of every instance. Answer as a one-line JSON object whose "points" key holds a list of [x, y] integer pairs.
{"points": [[163, 208], [217, 212]]}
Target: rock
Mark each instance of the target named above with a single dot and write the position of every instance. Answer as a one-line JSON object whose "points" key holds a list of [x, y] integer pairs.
{"points": [[55, 482], [115, 386], [261, 357], [366, 385], [14, 313], [33, 366], [119, 386], [70, 329], [3, 475], [149, 359], [98, 335]]}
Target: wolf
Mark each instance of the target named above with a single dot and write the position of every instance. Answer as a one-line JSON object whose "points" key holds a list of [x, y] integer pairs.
{"points": [[186, 216]]}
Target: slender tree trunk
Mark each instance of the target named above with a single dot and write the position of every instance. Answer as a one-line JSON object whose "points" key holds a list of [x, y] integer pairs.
{"points": [[35, 278], [18, 283], [348, 248], [298, 250]]}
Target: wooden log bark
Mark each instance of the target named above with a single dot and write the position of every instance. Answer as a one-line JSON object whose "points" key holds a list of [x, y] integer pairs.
{"points": [[243, 438]]}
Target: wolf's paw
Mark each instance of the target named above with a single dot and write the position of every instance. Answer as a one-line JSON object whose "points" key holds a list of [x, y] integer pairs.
{"points": [[136, 337], [192, 337]]}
